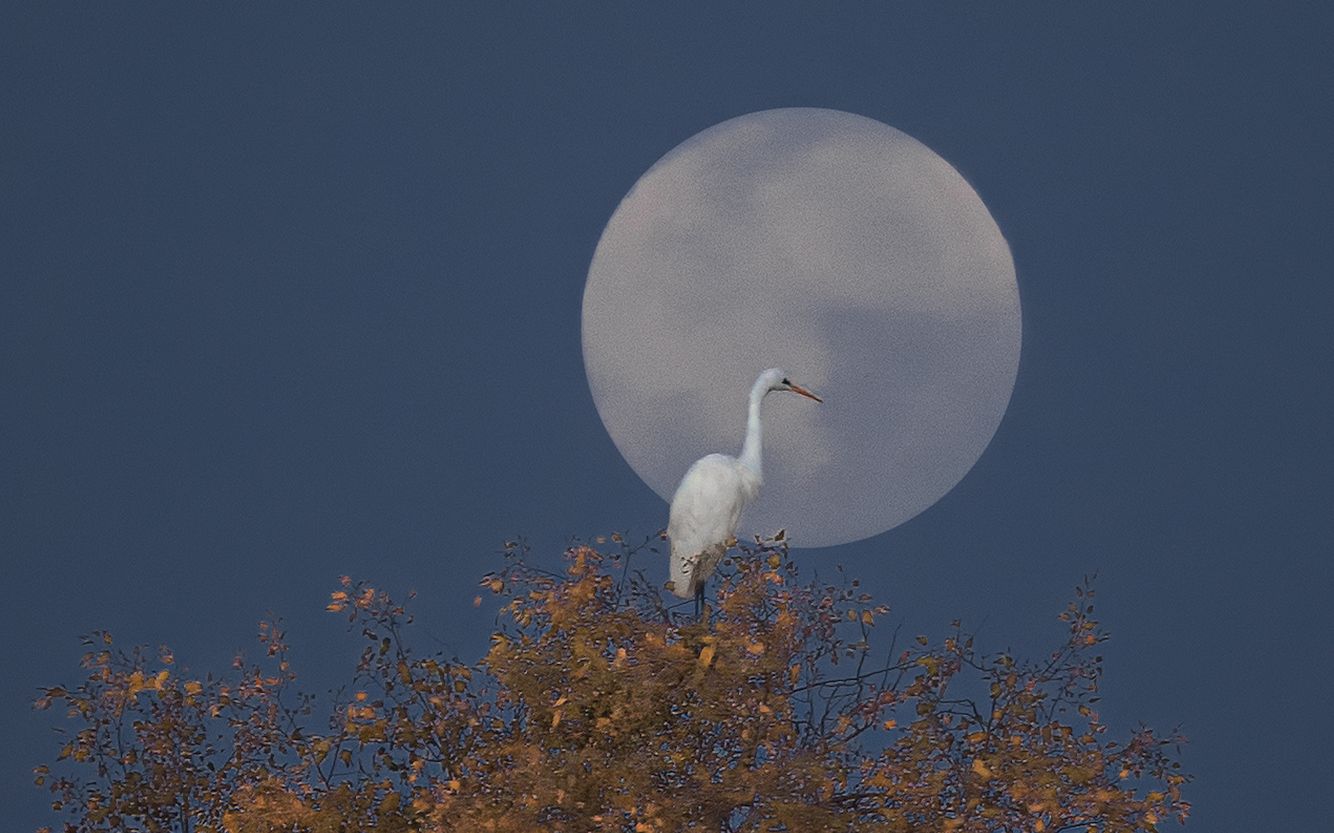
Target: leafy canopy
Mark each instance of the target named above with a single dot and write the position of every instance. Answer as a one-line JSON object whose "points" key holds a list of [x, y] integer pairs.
{"points": [[598, 708]]}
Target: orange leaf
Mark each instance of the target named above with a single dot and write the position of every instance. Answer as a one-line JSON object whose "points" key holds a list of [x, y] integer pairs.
{"points": [[706, 656]]}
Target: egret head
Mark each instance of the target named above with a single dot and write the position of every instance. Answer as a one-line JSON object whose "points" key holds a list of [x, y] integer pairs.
{"points": [[776, 379]]}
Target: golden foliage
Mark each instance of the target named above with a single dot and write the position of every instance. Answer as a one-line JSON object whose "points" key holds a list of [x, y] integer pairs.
{"points": [[597, 708]]}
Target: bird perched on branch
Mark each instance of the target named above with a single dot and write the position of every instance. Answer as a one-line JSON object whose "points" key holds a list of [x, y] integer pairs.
{"points": [[713, 493]]}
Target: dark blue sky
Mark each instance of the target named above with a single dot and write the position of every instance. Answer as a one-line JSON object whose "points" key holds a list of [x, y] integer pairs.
{"points": [[288, 293]]}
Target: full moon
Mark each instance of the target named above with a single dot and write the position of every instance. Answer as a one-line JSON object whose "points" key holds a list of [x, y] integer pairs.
{"points": [[839, 249]]}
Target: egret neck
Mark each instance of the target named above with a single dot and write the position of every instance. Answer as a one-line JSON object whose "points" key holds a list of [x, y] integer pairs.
{"points": [[750, 450]]}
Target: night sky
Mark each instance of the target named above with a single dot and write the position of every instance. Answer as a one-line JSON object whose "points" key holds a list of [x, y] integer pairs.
{"points": [[294, 292]]}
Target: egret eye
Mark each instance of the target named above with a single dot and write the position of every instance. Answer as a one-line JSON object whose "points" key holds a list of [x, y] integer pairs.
{"points": [[786, 382]]}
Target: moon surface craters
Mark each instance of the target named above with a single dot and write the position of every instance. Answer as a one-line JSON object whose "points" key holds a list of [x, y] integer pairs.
{"points": [[835, 247]]}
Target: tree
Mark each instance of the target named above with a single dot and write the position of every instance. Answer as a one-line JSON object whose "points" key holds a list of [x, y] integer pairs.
{"points": [[598, 708]]}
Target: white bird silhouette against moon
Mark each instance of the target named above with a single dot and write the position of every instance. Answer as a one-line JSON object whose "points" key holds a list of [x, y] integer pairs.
{"points": [[846, 252], [715, 491]]}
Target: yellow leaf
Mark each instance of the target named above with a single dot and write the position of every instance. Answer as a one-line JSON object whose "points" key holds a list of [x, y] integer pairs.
{"points": [[555, 718], [891, 723], [981, 769], [706, 656], [756, 648]]}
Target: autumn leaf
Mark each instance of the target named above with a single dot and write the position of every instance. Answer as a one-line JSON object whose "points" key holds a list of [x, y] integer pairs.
{"points": [[706, 656]]}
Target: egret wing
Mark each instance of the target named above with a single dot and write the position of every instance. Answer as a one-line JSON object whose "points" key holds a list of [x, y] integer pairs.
{"points": [[703, 517]]}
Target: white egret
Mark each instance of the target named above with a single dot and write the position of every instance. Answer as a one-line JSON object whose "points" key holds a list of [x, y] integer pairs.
{"points": [[713, 493]]}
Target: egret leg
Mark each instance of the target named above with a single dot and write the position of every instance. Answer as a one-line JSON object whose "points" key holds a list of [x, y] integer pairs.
{"points": [[699, 601]]}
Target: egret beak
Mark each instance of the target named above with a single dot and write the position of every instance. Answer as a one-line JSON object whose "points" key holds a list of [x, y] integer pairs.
{"points": [[799, 389]]}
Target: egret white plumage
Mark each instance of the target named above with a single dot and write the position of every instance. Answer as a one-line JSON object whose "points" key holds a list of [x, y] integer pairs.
{"points": [[712, 495]]}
